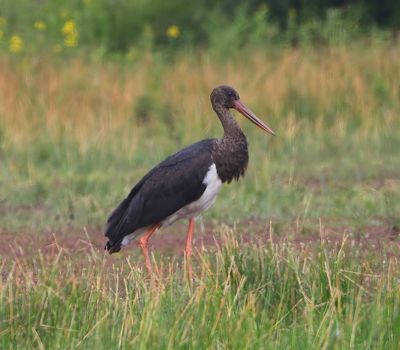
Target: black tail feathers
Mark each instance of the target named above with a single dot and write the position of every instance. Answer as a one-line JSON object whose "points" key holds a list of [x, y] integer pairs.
{"points": [[113, 247]]}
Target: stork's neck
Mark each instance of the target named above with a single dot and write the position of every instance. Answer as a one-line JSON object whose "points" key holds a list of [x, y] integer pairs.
{"points": [[231, 127], [230, 153]]}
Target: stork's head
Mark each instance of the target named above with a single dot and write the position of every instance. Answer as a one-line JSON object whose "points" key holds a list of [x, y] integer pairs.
{"points": [[226, 97]]}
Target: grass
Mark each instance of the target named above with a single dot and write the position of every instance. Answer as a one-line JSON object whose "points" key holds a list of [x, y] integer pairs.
{"points": [[75, 135], [274, 296]]}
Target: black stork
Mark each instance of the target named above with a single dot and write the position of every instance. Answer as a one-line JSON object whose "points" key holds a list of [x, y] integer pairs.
{"points": [[186, 183]]}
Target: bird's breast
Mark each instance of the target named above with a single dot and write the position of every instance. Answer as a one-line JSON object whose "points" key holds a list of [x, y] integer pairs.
{"points": [[231, 158]]}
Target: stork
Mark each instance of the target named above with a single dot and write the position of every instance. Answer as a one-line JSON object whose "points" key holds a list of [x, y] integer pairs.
{"points": [[186, 183]]}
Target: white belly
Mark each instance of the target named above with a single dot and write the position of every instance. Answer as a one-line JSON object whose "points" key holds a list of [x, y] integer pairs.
{"points": [[133, 235], [192, 210], [207, 199]]}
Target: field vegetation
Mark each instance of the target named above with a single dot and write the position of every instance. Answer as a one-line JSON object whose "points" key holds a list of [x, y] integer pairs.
{"points": [[76, 135], [301, 253], [271, 296]]}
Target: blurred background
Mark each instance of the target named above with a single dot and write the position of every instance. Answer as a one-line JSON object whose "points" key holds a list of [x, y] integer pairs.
{"points": [[95, 92], [109, 28]]}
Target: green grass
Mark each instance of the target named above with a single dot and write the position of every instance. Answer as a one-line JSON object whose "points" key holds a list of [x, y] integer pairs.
{"points": [[53, 184], [274, 296]]}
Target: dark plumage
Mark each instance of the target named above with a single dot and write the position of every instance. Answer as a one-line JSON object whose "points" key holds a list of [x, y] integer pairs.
{"points": [[186, 183], [153, 199]]}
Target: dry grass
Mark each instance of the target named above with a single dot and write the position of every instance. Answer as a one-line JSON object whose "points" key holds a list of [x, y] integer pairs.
{"points": [[89, 102]]}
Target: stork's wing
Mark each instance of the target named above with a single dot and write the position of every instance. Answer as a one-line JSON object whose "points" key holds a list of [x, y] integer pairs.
{"points": [[174, 183]]}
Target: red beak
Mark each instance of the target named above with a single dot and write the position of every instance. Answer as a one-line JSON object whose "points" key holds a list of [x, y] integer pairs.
{"points": [[240, 107]]}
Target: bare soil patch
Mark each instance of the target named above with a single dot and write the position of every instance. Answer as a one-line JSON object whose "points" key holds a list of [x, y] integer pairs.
{"points": [[171, 240]]}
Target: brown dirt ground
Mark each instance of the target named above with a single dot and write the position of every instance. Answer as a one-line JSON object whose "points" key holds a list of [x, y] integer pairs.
{"points": [[171, 240]]}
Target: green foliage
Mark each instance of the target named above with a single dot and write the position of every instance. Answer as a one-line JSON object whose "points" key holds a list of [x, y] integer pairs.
{"points": [[338, 27], [226, 33], [104, 26]]}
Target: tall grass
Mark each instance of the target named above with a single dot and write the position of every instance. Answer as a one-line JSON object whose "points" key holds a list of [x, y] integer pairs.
{"points": [[275, 296], [341, 88]]}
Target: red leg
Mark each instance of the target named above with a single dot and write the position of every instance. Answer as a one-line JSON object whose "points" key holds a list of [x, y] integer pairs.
{"points": [[188, 249], [143, 241]]}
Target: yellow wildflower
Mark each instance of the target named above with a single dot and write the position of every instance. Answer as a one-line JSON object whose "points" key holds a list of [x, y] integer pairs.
{"points": [[173, 31], [3, 21], [71, 33], [69, 27], [40, 25], [16, 44], [71, 40]]}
